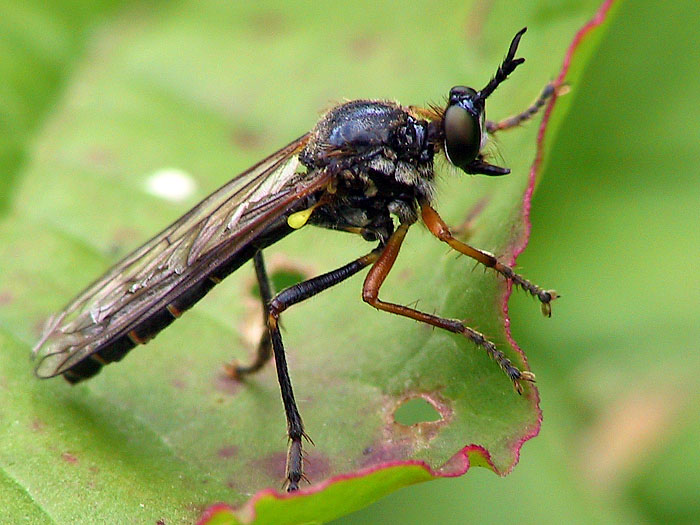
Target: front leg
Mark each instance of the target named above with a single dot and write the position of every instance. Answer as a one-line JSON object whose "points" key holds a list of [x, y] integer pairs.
{"points": [[370, 294], [438, 228]]}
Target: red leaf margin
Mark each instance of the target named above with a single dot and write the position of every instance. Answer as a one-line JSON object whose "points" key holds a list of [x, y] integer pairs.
{"points": [[460, 463], [597, 19]]}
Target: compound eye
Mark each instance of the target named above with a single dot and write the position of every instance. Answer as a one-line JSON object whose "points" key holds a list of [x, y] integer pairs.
{"points": [[462, 136], [458, 93]]}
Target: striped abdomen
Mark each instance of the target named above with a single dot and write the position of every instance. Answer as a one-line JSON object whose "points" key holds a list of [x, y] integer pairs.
{"points": [[142, 332]]}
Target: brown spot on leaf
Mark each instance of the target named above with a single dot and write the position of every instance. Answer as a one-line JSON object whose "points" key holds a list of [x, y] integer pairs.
{"points": [[100, 157], [6, 297], [273, 465], [226, 384], [227, 452], [379, 453], [364, 46], [474, 23], [401, 441], [268, 23], [234, 485], [38, 425], [122, 238], [317, 466], [69, 458], [405, 275], [246, 139]]}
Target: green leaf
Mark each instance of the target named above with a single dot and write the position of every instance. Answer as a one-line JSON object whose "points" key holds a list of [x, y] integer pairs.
{"points": [[209, 89]]}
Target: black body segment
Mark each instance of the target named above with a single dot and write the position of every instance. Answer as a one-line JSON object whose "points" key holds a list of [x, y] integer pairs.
{"points": [[142, 332]]}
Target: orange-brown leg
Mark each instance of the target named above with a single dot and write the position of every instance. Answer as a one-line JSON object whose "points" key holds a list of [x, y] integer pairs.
{"points": [[438, 228], [370, 294]]}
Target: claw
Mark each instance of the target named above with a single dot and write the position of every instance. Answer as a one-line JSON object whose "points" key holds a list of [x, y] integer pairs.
{"points": [[547, 296], [526, 376]]}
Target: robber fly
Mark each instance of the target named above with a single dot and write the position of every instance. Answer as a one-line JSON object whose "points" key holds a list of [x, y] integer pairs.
{"points": [[365, 165]]}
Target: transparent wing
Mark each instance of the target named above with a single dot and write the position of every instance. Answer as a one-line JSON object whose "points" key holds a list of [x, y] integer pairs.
{"points": [[145, 280]]}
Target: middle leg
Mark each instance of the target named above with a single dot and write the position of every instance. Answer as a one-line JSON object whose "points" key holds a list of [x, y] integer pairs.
{"points": [[278, 304]]}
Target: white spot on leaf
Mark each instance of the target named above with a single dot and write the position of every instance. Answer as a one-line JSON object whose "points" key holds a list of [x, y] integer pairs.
{"points": [[170, 184]]}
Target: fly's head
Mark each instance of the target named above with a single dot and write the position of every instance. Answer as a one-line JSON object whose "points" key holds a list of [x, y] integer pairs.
{"points": [[464, 119]]}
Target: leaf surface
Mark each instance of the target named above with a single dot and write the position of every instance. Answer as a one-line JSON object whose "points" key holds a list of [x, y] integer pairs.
{"points": [[208, 89]]}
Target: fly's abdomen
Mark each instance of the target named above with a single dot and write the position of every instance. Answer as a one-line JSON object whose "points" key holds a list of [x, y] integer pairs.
{"points": [[116, 348], [143, 331]]}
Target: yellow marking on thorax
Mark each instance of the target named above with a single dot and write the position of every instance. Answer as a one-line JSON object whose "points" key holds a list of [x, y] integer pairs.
{"points": [[298, 219]]}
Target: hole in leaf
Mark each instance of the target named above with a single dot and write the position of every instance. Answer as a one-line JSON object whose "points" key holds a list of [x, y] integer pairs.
{"points": [[416, 410]]}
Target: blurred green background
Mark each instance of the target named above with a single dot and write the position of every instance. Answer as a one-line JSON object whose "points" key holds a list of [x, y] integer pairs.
{"points": [[615, 224]]}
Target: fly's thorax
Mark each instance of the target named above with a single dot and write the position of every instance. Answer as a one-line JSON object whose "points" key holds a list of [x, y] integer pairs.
{"points": [[354, 127], [377, 143]]}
